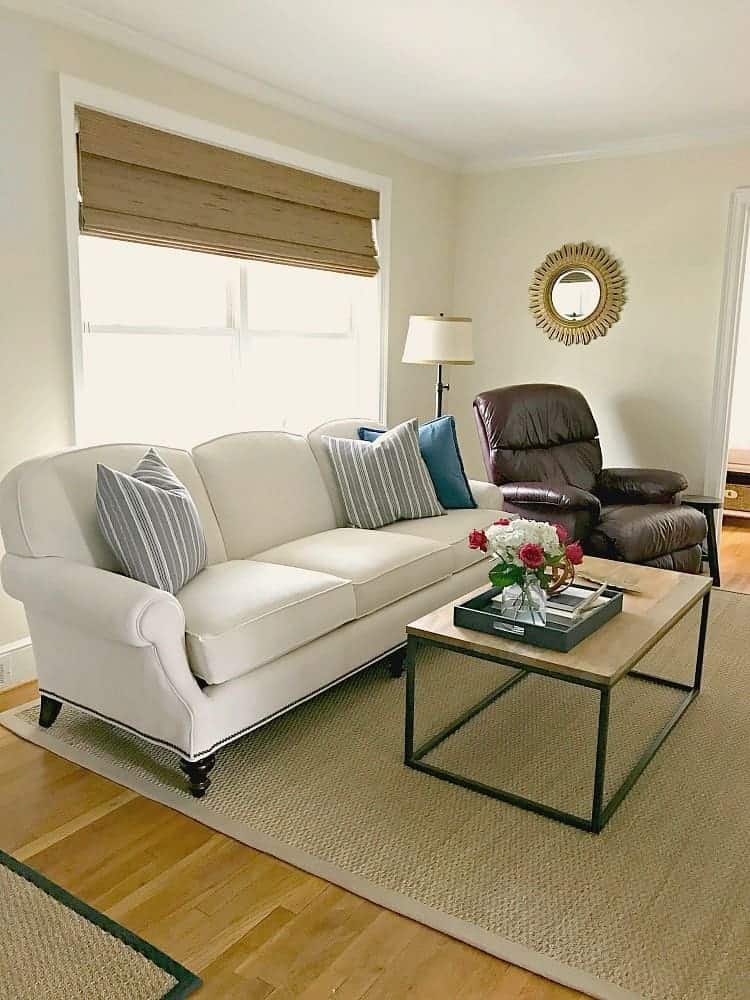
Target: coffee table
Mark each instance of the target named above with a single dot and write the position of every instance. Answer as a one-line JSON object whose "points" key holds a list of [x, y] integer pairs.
{"points": [[600, 662]]}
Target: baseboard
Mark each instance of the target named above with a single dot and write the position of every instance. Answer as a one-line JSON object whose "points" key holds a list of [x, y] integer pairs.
{"points": [[17, 665]]}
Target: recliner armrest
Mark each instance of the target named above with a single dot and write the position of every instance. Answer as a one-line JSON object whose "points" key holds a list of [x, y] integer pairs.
{"points": [[563, 498], [639, 485]]}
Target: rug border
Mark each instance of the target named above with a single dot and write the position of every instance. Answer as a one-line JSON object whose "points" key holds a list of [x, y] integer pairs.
{"points": [[187, 981], [494, 944]]}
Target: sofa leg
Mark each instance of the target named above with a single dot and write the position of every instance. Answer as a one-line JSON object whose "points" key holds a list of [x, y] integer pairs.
{"points": [[48, 711], [396, 662], [197, 772]]}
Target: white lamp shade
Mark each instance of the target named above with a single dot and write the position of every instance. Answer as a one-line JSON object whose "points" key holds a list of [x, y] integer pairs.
{"points": [[439, 340]]}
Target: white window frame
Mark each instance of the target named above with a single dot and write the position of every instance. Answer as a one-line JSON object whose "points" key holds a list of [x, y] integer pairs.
{"points": [[74, 91]]}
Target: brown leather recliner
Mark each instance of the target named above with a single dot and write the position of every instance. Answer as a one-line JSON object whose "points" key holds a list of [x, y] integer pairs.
{"points": [[541, 446]]}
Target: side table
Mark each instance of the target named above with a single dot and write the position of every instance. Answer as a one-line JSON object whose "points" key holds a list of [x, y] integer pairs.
{"points": [[707, 506]]}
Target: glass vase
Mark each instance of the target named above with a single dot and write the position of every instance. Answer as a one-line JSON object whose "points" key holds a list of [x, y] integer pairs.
{"points": [[525, 602]]}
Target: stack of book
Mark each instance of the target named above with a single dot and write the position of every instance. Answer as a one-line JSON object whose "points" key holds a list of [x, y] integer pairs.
{"points": [[571, 605]]}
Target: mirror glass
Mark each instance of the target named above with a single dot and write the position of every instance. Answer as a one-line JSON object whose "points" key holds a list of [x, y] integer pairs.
{"points": [[575, 294]]}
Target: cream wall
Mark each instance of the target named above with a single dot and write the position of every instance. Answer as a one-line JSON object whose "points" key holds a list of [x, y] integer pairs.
{"points": [[649, 382], [467, 244], [35, 375]]}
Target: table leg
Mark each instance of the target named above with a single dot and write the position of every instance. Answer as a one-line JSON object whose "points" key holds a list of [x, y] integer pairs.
{"points": [[713, 549], [411, 656], [698, 676], [601, 761]]}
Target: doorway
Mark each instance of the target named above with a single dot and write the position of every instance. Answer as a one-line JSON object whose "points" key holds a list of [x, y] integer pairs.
{"points": [[728, 459]]}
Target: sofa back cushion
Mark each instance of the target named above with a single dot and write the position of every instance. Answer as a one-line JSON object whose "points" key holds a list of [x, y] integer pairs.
{"points": [[266, 489], [48, 504], [347, 428], [385, 480], [438, 443]]}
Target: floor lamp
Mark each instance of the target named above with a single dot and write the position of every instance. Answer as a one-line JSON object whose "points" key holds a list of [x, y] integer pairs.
{"points": [[439, 340]]}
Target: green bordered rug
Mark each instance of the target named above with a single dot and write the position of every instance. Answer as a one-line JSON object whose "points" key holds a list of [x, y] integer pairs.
{"points": [[56, 947]]}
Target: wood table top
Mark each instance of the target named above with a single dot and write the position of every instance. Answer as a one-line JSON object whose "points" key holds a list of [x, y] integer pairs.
{"points": [[663, 597]]}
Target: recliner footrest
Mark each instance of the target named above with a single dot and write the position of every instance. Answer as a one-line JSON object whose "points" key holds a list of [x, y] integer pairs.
{"points": [[640, 533]]}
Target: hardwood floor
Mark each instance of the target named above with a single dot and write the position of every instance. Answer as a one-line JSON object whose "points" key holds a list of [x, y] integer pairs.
{"points": [[252, 927], [735, 554]]}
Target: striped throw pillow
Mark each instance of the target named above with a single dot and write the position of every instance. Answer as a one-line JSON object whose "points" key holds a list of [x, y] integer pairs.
{"points": [[151, 523], [385, 480]]}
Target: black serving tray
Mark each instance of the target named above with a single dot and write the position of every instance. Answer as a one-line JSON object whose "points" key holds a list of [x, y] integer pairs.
{"points": [[481, 615]]}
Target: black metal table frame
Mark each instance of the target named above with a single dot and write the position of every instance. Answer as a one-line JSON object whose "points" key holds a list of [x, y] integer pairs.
{"points": [[601, 812]]}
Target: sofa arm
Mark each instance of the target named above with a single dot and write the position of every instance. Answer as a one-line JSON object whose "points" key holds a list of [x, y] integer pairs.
{"points": [[564, 498], [639, 485], [94, 600], [487, 496]]}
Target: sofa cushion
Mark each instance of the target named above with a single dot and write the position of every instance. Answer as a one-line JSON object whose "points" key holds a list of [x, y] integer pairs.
{"points": [[346, 428], [382, 566], [243, 613], [641, 532], [384, 480], [265, 487], [151, 523], [453, 530], [438, 443]]}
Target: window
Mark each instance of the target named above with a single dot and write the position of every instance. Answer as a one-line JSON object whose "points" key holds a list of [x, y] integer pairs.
{"points": [[180, 346]]}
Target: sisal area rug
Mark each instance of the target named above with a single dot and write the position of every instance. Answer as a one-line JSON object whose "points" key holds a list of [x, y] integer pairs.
{"points": [[56, 947], [656, 906]]}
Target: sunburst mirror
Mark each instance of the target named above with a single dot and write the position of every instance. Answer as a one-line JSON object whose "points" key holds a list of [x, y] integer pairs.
{"points": [[577, 293]]}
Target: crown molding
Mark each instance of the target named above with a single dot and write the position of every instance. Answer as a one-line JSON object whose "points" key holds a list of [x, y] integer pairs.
{"points": [[106, 29], [606, 151], [67, 15]]}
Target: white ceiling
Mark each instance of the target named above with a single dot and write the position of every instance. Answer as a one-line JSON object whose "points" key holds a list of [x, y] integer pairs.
{"points": [[478, 81]]}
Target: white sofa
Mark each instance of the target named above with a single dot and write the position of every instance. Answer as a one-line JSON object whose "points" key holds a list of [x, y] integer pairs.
{"points": [[292, 601]]}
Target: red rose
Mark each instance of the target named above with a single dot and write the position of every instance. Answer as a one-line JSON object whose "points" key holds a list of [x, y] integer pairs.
{"points": [[503, 521], [531, 555], [478, 540], [562, 533], [574, 552]]}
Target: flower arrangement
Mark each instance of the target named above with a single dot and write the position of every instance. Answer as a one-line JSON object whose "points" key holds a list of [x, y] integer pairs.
{"points": [[532, 557]]}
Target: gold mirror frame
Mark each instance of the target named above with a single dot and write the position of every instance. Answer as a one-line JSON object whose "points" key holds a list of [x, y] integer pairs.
{"points": [[611, 281]]}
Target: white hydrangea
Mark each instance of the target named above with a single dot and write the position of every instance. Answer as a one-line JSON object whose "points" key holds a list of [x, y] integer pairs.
{"points": [[504, 540]]}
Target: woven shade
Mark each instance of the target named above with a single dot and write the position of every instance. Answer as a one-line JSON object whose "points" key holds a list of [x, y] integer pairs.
{"points": [[141, 184]]}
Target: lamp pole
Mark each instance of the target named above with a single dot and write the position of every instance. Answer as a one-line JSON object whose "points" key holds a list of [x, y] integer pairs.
{"points": [[440, 387]]}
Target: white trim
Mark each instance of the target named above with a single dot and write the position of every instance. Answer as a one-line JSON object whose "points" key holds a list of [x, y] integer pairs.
{"points": [[645, 146], [218, 75], [15, 646], [75, 91], [717, 444], [68, 126], [19, 657]]}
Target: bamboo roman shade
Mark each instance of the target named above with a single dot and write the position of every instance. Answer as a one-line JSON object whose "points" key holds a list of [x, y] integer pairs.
{"points": [[142, 184]]}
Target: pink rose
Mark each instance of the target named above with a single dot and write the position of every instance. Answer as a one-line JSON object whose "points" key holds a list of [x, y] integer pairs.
{"points": [[562, 533], [478, 540], [531, 555], [503, 521], [574, 552]]}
